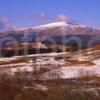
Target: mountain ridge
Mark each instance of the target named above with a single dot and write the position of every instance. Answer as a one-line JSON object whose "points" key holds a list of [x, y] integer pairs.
{"points": [[62, 25]]}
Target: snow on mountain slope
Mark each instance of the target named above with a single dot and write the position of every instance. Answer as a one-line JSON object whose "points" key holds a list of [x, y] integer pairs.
{"points": [[59, 24], [66, 28], [57, 27]]}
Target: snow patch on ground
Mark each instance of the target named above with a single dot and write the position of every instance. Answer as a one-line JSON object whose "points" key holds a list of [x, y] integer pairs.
{"points": [[97, 62], [72, 72]]}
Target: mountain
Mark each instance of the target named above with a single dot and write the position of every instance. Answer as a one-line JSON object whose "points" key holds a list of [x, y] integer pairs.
{"points": [[62, 26], [66, 28], [57, 31]]}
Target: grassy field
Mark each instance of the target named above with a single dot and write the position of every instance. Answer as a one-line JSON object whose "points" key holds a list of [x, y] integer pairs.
{"points": [[15, 88], [24, 85]]}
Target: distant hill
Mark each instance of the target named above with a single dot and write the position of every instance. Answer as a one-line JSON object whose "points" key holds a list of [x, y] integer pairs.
{"points": [[58, 33]]}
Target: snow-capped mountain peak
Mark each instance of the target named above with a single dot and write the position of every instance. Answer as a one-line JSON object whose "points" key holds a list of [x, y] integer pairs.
{"points": [[59, 24]]}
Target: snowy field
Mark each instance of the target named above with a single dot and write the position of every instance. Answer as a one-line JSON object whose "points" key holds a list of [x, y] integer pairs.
{"points": [[89, 62]]}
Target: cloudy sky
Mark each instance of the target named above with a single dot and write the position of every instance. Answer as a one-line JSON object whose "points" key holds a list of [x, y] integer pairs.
{"points": [[26, 13]]}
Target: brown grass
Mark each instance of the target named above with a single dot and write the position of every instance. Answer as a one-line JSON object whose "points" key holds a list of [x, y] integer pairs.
{"points": [[11, 88], [19, 60], [97, 47], [76, 62]]}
